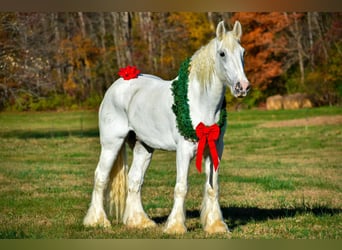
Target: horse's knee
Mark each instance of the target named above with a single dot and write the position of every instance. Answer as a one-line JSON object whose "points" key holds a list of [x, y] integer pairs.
{"points": [[211, 193], [141, 161], [180, 190], [133, 185]]}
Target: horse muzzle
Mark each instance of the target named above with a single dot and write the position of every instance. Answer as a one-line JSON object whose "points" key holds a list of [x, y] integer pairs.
{"points": [[241, 88]]}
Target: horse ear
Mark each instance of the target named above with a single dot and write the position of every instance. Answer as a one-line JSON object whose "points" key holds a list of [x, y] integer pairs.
{"points": [[237, 30], [220, 30]]}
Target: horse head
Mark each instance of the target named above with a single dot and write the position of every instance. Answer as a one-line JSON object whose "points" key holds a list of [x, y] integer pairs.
{"points": [[229, 61]]}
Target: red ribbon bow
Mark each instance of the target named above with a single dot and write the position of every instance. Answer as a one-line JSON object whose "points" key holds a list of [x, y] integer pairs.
{"points": [[204, 134], [129, 72]]}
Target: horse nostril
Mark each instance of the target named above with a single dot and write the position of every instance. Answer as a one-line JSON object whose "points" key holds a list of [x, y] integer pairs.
{"points": [[238, 86], [248, 88]]}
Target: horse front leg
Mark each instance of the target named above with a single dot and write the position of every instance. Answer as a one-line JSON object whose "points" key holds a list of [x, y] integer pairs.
{"points": [[211, 215], [176, 221]]}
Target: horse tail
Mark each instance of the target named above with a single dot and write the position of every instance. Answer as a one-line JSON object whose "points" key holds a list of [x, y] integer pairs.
{"points": [[117, 186]]}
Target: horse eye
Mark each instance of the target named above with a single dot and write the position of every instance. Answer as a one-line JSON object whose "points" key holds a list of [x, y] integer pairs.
{"points": [[222, 54]]}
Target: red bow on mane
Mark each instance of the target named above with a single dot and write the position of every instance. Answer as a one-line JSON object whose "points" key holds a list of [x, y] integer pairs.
{"points": [[207, 134]]}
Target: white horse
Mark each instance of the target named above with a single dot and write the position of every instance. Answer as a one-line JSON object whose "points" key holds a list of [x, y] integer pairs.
{"points": [[141, 112]]}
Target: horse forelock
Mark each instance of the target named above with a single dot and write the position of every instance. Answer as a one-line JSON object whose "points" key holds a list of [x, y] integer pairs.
{"points": [[230, 41]]}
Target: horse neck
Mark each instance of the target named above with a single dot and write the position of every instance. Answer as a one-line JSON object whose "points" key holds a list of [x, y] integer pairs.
{"points": [[205, 100]]}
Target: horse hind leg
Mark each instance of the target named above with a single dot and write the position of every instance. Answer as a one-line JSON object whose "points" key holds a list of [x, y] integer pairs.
{"points": [[134, 215], [96, 215]]}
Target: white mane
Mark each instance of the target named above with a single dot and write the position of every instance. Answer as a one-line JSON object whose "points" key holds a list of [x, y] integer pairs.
{"points": [[202, 63]]}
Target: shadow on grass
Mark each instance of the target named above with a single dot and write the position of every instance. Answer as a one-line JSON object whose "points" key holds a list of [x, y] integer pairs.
{"points": [[41, 134], [239, 216]]}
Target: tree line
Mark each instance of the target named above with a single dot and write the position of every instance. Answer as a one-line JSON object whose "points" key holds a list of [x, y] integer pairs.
{"points": [[68, 60]]}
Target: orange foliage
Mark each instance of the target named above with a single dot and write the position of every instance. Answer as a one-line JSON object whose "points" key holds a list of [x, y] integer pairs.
{"points": [[263, 45], [79, 55], [69, 86], [79, 51]]}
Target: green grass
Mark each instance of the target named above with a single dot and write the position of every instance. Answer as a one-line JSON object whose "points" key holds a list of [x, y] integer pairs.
{"points": [[277, 182]]}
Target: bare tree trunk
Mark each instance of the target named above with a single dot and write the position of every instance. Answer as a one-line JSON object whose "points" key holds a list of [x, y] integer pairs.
{"points": [[104, 53], [300, 51], [298, 37], [116, 31], [126, 35], [162, 38], [87, 75], [147, 30], [226, 17], [121, 36], [54, 21], [211, 21], [83, 31], [315, 16], [311, 54], [102, 31]]}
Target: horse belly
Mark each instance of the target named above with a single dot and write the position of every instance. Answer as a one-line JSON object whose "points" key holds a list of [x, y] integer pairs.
{"points": [[151, 118]]}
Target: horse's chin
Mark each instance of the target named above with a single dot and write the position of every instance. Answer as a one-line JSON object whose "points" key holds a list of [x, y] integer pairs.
{"points": [[236, 94], [239, 95]]}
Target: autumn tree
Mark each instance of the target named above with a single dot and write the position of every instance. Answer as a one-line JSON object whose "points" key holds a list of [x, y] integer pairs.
{"points": [[64, 59], [163, 40], [26, 59], [122, 37], [314, 55], [8, 58], [264, 47], [188, 32]]}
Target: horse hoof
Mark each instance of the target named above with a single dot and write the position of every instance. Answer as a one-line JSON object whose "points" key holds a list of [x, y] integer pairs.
{"points": [[178, 228], [217, 227], [93, 219], [140, 222], [101, 222], [146, 223]]}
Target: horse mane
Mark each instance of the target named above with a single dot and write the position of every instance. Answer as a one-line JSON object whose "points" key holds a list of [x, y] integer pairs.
{"points": [[202, 65]]}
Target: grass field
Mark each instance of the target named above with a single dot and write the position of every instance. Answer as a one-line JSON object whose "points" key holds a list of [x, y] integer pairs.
{"points": [[280, 177]]}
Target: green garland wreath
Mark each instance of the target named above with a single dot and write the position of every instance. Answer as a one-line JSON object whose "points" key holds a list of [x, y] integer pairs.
{"points": [[180, 107]]}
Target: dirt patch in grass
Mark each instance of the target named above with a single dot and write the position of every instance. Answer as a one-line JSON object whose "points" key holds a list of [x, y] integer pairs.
{"points": [[310, 121]]}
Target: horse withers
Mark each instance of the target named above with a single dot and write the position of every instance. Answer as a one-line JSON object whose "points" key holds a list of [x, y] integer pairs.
{"points": [[186, 115]]}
